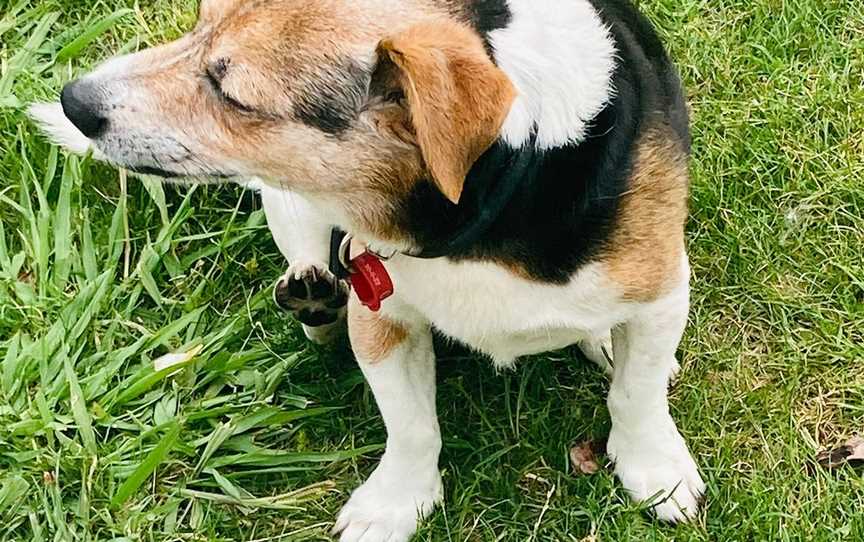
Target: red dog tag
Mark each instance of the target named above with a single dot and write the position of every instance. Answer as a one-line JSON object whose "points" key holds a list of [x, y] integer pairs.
{"points": [[370, 280]]}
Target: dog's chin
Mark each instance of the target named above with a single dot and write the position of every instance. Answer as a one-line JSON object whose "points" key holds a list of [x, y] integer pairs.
{"points": [[52, 120]]}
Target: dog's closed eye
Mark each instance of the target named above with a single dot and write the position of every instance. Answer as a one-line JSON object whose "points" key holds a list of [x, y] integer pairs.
{"points": [[395, 96], [215, 74]]}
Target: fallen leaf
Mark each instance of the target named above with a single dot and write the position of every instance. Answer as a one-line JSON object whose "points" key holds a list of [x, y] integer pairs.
{"points": [[856, 446], [584, 458], [851, 453], [170, 360]]}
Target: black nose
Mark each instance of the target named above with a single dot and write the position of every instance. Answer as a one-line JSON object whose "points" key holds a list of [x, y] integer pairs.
{"points": [[81, 106]]}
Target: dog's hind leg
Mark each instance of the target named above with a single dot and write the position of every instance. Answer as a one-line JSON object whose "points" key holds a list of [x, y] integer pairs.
{"points": [[651, 458], [308, 289], [598, 350]]}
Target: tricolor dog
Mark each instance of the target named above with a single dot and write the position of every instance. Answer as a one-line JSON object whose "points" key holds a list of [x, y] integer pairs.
{"points": [[516, 170]]}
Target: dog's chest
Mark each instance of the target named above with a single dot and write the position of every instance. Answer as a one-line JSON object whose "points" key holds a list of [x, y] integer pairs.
{"points": [[496, 312]]}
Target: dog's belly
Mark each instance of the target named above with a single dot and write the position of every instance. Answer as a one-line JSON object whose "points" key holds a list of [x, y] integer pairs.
{"points": [[496, 312], [505, 348]]}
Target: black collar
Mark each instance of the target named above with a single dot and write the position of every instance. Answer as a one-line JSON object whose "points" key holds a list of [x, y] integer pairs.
{"points": [[489, 187]]}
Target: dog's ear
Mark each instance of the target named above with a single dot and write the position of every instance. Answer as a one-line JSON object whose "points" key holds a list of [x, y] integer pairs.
{"points": [[443, 94]]}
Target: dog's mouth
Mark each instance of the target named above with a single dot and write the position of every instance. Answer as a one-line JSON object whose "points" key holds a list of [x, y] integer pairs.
{"points": [[179, 176], [149, 170]]}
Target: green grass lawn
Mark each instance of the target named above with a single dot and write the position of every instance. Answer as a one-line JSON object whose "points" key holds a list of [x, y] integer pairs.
{"points": [[262, 436]]}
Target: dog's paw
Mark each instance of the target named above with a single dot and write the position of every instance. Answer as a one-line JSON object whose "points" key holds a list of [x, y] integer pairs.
{"points": [[315, 297], [387, 511], [660, 471]]}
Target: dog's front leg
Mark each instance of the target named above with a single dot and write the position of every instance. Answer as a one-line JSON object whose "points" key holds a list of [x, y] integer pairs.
{"points": [[398, 362], [651, 458], [308, 289]]}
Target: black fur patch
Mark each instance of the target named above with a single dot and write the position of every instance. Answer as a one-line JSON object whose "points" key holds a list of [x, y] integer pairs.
{"points": [[332, 102], [663, 92], [565, 206], [487, 16]]}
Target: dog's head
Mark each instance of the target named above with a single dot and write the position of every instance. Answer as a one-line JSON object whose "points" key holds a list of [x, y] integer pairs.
{"points": [[350, 102]]}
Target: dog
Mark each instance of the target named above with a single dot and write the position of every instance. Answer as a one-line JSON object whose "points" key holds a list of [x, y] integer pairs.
{"points": [[510, 173]]}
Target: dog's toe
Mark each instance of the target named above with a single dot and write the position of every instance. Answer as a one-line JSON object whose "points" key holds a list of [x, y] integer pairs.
{"points": [[311, 287]]}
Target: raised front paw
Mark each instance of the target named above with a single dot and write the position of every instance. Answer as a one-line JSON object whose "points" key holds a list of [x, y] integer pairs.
{"points": [[379, 511], [658, 469], [315, 297]]}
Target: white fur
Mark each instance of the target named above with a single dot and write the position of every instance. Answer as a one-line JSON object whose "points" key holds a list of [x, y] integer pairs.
{"points": [[503, 315], [300, 232], [560, 57], [60, 129]]}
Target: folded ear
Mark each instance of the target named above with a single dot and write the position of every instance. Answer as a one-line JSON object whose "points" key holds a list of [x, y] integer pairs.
{"points": [[456, 98]]}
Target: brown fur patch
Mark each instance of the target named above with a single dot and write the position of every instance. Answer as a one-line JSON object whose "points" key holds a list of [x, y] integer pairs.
{"points": [[373, 336], [457, 97], [644, 254]]}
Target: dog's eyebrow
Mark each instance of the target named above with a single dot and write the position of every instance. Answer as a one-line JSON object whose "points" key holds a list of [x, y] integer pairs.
{"points": [[333, 100]]}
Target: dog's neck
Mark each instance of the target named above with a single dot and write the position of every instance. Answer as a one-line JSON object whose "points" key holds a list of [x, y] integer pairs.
{"points": [[494, 180], [546, 210]]}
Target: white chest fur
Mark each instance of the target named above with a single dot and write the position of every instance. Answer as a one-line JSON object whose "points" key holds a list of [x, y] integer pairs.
{"points": [[496, 312]]}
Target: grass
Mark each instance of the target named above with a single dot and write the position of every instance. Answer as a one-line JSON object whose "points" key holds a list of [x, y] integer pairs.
{"points": [[260, 436]]}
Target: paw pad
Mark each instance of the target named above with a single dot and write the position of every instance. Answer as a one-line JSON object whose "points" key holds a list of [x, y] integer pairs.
{"points": [[313, 294]]}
